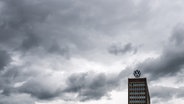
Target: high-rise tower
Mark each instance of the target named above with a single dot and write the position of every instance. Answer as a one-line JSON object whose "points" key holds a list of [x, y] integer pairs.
{"points": [[138, 92]]}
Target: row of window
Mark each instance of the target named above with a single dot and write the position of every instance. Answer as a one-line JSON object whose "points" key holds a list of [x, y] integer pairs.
{"points": [[137, 88], [137, 101], [136, 93], [137, 84], [137, 97]]}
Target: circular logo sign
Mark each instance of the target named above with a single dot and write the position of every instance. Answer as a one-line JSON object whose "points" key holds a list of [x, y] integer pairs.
{"points": [[137, 73]]}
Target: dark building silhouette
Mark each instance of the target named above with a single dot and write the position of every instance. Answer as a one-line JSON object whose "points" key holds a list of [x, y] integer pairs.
{"points": [[138, 92]]}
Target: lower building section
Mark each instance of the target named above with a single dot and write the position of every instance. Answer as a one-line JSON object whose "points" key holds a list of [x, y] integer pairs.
{"points": [[138, 92]]}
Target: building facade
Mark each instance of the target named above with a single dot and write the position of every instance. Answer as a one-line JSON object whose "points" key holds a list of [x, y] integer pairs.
{"points": [[138, 92]]}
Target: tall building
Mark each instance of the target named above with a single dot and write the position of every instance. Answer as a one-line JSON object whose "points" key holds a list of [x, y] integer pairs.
{"points": [[138, 92]]}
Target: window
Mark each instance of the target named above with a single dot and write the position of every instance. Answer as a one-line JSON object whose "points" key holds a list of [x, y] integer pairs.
{"points": [[136, 84]]}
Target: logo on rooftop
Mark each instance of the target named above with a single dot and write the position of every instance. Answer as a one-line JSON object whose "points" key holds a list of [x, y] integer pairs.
{"points": [[137, 73]]}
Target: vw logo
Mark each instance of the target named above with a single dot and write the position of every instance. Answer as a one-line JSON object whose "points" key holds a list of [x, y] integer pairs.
{"points": [[137, 73]]}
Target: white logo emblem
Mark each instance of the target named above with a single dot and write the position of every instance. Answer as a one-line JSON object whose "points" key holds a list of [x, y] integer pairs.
{"points": [[137, 73]]}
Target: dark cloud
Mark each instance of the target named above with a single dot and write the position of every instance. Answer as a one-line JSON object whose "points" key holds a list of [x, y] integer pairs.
{"points": [[61, 27], [90, 86], [33, 24], [171, 61], [39, 90], [16, 99], [120, 49], [23, 25], [18, 18], [178, 35], [29, 82], [9, 77], [68, 27], [37, 87], [161, 93], [5, 59], [30, 42]]}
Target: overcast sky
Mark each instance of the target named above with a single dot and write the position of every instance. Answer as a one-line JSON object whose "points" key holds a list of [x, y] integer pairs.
{"points": [[84, 51]]}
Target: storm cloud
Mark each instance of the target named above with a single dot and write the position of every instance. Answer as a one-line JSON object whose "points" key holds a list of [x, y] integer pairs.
{"points": [[119, 49], [16, 99], [171, 61], [167, 93], [93, 86], [4, 59], [64, 49]]}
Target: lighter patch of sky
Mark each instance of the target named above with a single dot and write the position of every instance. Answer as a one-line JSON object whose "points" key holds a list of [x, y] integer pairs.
{"points": [[117, 97], [19, 84]]}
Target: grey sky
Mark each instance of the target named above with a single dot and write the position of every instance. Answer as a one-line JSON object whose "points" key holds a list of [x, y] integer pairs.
{"points": [[68, 51]]}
